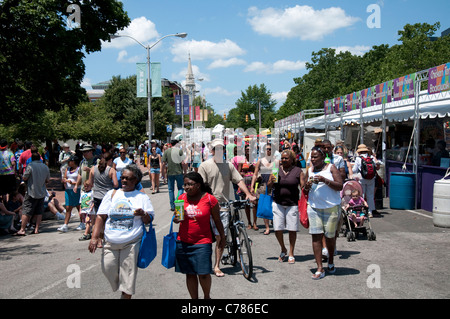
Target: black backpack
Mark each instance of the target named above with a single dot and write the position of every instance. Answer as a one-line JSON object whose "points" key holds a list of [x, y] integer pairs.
{"points": [[368, 169]]}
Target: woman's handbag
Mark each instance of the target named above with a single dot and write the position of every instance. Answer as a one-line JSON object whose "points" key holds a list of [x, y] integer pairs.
{"points": [[147, 251], [265, 206], [303, 209], [169, 247]]}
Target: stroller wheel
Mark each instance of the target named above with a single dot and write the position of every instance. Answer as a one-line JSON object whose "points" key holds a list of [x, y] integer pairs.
{"points": [[351, 236], [372, 235]]}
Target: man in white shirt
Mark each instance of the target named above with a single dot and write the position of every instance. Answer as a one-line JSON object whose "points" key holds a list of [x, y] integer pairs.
{"points": [[368, 185]]}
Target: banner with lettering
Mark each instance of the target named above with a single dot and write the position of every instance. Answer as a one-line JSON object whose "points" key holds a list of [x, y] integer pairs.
{"points": [[384, 93], [404, 87], [141, 79], [328, 106], [353, 101], [339, 103], [438, 79]]}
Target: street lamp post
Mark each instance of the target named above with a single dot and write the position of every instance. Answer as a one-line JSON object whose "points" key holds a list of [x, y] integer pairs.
{"points": [[149, 91]]}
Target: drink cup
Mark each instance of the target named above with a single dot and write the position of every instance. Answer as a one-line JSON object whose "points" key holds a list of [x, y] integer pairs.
{"points": [[179, 209]]}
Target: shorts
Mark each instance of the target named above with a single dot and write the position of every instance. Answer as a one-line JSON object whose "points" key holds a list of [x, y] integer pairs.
{"points": [[33, 206], [154, 170], [285, 217], [323, 221], [97, 202], [224, 218], [193, 259]]}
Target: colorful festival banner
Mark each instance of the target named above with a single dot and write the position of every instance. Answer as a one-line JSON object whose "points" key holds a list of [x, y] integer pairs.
{"points": [[339, 103], [328, 106], [404, 87], [141, 79], [353, 101], [384, 93], [438, 79]]}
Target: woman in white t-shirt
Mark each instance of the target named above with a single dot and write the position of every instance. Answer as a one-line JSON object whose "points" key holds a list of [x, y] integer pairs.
{"points": [[120, 216], [323, 185], [120, 163]]}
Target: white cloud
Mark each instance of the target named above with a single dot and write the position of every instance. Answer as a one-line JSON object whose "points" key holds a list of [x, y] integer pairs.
{"points": [[278, 67], [299, 22], [280, 97], [226, 63], [205, 50], [141, 29], [122, 57], [181, 76], [219, 91], [86, 83], [355, 50]]}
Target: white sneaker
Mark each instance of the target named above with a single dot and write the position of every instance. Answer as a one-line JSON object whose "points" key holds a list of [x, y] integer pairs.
{"points": [[60, 216], [82, 226], [64, 228]]}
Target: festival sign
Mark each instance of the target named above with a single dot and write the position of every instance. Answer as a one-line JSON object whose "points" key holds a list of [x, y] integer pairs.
{"points": [[366, 98], [404, 87], [353, 101], [328, 106], [384, 93], [438, 79], [339, 103]]}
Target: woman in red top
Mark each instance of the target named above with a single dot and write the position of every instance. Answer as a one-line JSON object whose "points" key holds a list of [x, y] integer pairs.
{"points": [[195, 237]]}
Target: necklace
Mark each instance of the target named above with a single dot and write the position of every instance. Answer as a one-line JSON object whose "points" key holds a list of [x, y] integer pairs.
{"points": [[316, 169], [288, 170]]}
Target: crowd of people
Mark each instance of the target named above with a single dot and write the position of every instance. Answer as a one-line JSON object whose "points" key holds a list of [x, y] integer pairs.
{"points": [[102, 183]]}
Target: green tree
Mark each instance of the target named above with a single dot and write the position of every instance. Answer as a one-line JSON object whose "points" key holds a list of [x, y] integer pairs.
{"points": [[248, 104], [41, 59]]}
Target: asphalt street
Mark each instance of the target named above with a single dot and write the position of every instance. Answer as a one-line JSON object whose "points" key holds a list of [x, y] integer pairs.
{"points": [[408, 259]]}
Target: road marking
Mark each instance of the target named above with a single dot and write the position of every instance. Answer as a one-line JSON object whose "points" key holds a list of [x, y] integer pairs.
{"points": [[56, 283], [417, 213], [64, 280]]}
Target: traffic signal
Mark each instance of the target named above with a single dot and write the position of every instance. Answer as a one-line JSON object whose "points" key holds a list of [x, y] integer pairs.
{"points": [[224, 116], [246, 117]]}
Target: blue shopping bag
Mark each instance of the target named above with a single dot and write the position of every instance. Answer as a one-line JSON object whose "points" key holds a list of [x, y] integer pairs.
{"points": [[265, 206], [148, 248], [169, 247]]}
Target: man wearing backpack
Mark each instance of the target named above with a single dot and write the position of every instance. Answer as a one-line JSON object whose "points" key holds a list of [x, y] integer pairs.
{"points": [[367, 165]]}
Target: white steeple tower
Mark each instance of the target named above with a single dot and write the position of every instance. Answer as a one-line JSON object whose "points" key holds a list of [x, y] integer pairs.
{"points": [[190, 87]]}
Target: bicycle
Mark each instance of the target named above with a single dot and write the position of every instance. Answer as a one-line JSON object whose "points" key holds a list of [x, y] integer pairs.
{"points": [[237, 240]]}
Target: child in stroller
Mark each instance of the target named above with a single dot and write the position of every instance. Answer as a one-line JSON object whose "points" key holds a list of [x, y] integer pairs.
{"points": [[354, 224], [357, 205]]}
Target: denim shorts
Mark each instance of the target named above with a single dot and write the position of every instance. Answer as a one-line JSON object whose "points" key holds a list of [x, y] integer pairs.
{"points": [[154, 170]]}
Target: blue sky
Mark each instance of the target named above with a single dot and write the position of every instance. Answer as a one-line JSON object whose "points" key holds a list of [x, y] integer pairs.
{"points": [[234, 44]]}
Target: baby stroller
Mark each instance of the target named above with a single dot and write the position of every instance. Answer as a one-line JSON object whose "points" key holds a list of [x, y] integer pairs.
{"points": [[350, 231]]}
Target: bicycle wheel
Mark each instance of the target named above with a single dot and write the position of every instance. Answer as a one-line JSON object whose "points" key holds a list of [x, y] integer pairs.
{"points": [[230, 247], [245, 252]]}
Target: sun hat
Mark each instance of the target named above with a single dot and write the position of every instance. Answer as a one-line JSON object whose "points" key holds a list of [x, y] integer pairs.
{"points": [[362, 148], [87, 147]]}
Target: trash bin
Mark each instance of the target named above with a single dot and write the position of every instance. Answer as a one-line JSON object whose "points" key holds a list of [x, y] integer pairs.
{"points": [[441, 203], [402, 190]]}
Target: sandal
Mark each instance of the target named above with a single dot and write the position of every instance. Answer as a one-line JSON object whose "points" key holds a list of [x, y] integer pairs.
{"points": [[282, 257], [291, 260], [331, 269], [318, 275]]}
